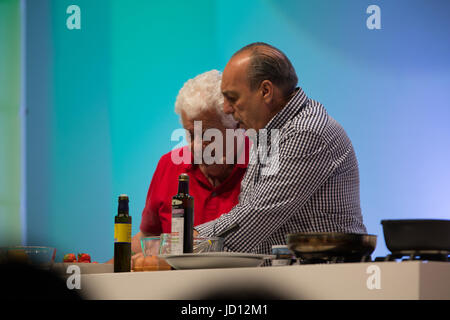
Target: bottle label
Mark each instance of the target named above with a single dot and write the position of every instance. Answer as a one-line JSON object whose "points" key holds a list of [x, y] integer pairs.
{"points": [[177, 230], [122, 232], [176, 202]]}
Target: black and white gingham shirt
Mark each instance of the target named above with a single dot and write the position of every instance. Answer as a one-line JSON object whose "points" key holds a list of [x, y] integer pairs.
{"points": [[314, 187]]}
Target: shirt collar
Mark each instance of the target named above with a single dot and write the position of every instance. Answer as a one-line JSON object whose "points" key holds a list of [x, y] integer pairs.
{"points": [[190, 166], [290, 110], [194, 171]]}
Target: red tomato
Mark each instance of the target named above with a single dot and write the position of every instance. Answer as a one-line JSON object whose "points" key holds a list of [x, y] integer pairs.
{"points": [[84, 257], [70, 257]]}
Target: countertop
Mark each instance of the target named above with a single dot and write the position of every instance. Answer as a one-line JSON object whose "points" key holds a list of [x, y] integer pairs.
{"points": [[342, 281]]}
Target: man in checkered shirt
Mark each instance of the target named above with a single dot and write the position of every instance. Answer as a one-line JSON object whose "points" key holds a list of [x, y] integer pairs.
{"points": [[309, 182]]}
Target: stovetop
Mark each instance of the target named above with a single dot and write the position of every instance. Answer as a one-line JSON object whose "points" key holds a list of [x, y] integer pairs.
{"points": [[426, 255], [338, 259]]}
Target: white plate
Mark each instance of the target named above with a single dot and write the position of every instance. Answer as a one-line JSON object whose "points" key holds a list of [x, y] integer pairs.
{"points": [[212, 260]]}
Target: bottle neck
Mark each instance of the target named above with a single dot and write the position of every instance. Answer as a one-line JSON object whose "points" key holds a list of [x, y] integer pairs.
{"points": [[123, 209], [183, 187]]}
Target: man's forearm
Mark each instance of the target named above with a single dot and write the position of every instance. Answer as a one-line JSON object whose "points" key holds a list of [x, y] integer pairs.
{"points": [[275, 197]]}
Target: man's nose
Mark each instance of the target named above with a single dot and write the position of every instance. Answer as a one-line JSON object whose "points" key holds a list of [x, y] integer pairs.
{"points": [[227, 108]]}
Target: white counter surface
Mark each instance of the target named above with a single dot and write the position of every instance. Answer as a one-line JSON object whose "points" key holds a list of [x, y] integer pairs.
{"points": [[372, 280]]}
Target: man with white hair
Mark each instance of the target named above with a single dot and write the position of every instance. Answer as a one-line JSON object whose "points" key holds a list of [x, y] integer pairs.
{"points": [[216, 186]]}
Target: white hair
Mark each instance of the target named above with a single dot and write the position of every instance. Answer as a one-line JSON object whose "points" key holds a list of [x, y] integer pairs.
{"points": [[203, 93]]}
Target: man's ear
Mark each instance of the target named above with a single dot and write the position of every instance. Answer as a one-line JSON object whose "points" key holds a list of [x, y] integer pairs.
{"points": [[266, 89]]}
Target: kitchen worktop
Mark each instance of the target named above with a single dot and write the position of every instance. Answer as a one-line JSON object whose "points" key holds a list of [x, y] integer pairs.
{"points": [[371, 280]]}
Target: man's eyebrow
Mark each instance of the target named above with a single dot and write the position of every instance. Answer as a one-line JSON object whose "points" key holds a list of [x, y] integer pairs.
{"points": [[228, 93]]}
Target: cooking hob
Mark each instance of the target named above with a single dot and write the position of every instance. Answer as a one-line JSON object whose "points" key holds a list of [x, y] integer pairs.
{"points": [[418, 255], [335, 259]]}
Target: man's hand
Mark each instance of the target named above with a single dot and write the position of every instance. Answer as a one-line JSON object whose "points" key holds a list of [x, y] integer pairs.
{"points": [[134, 258], [195, 233]]}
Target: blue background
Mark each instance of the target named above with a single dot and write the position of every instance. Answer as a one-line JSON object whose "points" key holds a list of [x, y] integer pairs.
{"points": [[101, 99]]}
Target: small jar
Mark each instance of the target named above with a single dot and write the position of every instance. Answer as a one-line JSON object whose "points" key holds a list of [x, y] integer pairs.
{"points": [[283, 256]]}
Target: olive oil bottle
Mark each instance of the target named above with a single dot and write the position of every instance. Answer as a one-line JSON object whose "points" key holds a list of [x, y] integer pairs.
{"points": [[122, 236], [182, 218]]}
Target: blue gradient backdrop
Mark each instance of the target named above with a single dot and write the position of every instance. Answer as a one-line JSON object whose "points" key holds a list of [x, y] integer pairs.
{"points": [[105, 112]]}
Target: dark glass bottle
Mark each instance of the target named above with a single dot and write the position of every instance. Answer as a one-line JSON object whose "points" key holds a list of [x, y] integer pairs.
{"points": [[183, 217], [122, 236]]}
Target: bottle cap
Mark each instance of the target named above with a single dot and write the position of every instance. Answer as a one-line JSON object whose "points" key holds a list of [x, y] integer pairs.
{"points": [[183, 177], [123, 197]]}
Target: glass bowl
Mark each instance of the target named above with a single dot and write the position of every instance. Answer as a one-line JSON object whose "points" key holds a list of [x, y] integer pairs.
{"points": [[201, 244], [211, 244], [41, 257], [151, 262], [150, 246]]}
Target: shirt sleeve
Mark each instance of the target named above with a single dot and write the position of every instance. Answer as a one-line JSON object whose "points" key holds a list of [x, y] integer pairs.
{"points": [[150, 221], [303, 163]]}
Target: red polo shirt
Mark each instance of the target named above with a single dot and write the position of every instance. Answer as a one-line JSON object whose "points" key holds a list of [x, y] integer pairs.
{"points": [[209, 202]]}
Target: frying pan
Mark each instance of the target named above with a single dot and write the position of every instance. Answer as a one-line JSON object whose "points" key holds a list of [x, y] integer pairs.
{"points": [[326, 245], [417, 235]]}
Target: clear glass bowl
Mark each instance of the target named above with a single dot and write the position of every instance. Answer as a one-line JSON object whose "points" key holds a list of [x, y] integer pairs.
{"points": [[213, 244], [151, 262], [41, 257], [150, 245], [201, 245]]}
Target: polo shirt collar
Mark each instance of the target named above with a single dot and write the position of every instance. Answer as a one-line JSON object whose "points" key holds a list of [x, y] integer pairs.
{"points": [[186, 167]]}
